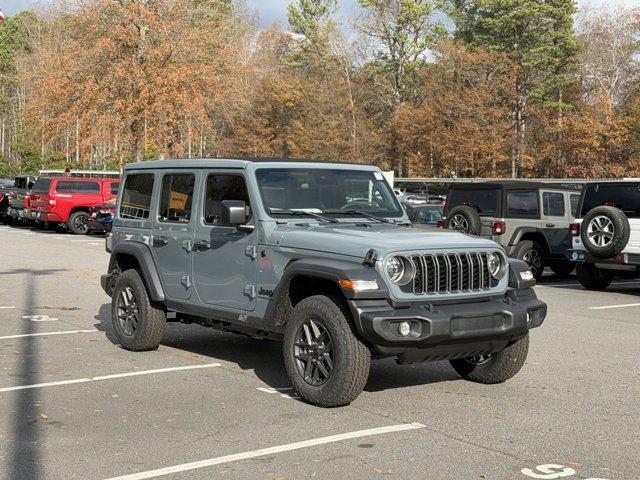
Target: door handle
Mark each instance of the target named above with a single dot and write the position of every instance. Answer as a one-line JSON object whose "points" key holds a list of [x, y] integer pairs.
{"points": [[550, 225], [201, 246], [160, 241]]}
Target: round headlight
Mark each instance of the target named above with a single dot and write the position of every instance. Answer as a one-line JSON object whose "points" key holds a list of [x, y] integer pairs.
{"points": [[395, 268], [400, 270], [496, 265]]}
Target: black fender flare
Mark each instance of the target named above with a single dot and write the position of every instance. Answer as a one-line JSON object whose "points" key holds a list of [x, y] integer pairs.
{"points": [[325, 269], [142, 254], [520, 232]]}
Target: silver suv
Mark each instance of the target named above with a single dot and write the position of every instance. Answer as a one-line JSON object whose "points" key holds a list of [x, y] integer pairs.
{"points": [[318, 255], [529, 219]]}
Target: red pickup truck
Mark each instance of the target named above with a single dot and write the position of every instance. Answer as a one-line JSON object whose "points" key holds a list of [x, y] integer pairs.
{"points": [[67, 201]]}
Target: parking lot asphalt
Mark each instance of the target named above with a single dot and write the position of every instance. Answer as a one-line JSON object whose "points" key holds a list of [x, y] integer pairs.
{"points": [[206, 404]]}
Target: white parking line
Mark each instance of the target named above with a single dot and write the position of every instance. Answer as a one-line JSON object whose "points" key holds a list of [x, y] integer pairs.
{"points": [[269, 451], [107, 377], [7, 307], [604, 307], [68, 332]]}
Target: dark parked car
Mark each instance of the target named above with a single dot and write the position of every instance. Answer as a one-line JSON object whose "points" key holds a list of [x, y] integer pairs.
{"points": [[16, 210], [101, 217], [428, 215]]}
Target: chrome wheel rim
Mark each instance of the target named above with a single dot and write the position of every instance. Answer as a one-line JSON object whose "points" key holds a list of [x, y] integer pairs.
{"points": [[313, 352], [80, 223], [600, 231], [127, 311], [533, 259], [478, 359], [460, 223]]}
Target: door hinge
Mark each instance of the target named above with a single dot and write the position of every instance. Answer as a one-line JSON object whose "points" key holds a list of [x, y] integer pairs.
{"points": [[186, 281], [187, 245], [251, 252], [250, 291]]}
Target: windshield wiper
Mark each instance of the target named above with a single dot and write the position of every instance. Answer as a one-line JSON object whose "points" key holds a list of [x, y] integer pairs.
{"points": [[303, 213], [359, 213]]}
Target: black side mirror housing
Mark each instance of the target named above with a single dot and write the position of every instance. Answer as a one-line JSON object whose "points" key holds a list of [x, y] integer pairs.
{"points": [[233, 212]]}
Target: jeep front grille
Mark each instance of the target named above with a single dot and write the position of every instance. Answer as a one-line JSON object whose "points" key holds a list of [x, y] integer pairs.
{"points": [[449, 273]]}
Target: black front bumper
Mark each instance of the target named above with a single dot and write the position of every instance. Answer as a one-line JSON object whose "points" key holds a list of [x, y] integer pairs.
{"points": [[447, 331]]}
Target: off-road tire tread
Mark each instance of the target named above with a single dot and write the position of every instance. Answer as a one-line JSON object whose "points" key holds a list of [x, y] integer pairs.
{"points": [[153, 318], [588, 278], [342, 388], [470, 213], [501, 366]]}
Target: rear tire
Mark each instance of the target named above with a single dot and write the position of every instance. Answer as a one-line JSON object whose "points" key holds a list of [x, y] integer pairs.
{"points": [[495, 368], [562, 268], [593, 278], [533, 254], [78, 223], [326, 320], [138, 321]]}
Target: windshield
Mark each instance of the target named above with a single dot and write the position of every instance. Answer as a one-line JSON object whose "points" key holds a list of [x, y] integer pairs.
{"points": [[624, 196], [41, 185], [326, 191], [484, 200]]}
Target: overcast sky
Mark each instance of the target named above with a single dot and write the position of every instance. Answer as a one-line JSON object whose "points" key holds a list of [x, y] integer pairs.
{"points": [[272, 10]]}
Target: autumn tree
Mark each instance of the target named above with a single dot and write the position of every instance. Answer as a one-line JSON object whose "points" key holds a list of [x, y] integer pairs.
{"points": [[539, 36], [401, 33]]}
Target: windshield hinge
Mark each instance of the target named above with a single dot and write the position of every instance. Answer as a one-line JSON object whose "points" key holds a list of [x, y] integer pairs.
{"points": [[251, 252]]}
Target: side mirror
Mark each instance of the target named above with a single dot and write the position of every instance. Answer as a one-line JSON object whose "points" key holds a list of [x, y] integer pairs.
{"points": [[233, 212]]}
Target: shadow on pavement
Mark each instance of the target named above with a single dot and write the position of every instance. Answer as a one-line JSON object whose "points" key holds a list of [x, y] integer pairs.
{"points": [[24, 459], [264, 357]]}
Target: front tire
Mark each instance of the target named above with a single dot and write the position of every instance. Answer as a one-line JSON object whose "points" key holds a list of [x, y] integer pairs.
{"points": [[496, 367], [326, 363], [593, 278], [138, 321]]}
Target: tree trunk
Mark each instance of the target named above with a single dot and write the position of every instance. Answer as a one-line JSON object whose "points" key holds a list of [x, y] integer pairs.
{"points": [[519, 132]]}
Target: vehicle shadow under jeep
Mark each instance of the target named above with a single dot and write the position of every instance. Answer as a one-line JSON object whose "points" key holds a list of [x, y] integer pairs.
{"points": [[264, 357]]}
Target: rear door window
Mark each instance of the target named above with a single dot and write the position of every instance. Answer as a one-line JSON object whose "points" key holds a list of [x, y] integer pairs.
{"points": [[522, 204], [177, 197], [77, 187], [553, 204], [484, 200], [625, 196], [136, 196]]}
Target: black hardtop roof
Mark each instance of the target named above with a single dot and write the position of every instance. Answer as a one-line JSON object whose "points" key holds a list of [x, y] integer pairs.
{"points": [[506, 185]]}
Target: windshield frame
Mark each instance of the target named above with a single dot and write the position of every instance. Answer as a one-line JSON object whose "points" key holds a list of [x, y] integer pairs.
{"points": [[398, 215]]}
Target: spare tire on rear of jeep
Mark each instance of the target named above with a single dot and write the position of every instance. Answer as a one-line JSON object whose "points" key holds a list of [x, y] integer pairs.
{"points": [[464, 219], [605, 231]]}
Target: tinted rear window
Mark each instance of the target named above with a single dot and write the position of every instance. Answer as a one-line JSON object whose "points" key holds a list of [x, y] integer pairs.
{"points": [[41, 186], [485, 201], [77, 187], [626, 197], [136, 196], [114, 188]]}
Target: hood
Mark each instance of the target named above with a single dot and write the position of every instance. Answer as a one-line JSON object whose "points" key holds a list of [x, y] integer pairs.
{"points": [[358, 240]]}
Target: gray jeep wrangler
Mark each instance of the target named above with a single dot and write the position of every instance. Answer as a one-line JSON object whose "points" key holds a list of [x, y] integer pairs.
{"points": [[318, 255], [529, 219]]}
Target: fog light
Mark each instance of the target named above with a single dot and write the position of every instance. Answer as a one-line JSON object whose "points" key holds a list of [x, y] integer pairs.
{"points": [[404, 328]]}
